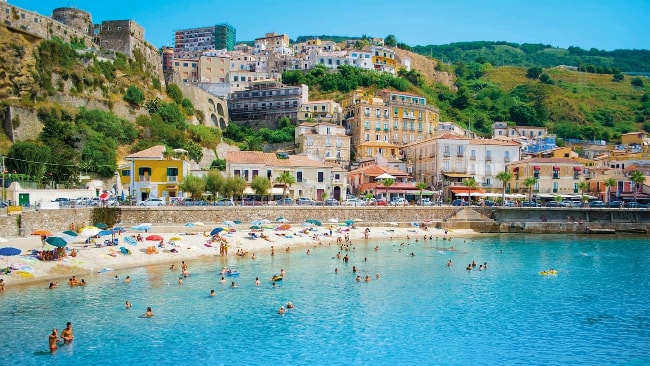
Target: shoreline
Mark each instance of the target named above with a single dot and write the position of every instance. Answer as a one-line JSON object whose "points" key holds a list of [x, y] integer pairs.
{"points": [[191, 246]]}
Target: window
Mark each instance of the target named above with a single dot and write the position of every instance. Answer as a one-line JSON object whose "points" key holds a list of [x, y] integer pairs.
{"points": [[459, 151], [472, 154], [395, 112], [321, 177], [367, 137], [299, 176], [404, 125], [377, 125], [367, 125], [268, 173], [395, 125], [555, 187], [126, 173]]}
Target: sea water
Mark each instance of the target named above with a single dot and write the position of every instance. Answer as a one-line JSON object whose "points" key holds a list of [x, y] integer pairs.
{"points": [[419, 311]]}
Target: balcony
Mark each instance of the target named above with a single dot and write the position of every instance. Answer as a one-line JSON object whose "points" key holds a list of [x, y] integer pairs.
{"points": [[172, 178], [460, 154], [488, 158], [385, 129], [408, 116], [145, 178], [472, 157], [506, 159], [446, 154]]}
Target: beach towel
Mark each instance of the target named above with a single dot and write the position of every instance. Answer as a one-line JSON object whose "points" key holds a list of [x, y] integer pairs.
{"points": [[125, 251]]}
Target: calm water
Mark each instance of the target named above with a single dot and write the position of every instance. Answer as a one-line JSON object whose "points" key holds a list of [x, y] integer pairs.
{"points": [[595, 311]]}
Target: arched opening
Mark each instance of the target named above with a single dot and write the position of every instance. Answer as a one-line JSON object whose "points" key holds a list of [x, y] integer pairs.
{"points": [[337, 192], [213, 120], [211, 105], [222, 124], [220, 110]]}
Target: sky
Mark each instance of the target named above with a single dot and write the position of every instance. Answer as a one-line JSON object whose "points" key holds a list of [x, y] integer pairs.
{"points": [[601, 24]]}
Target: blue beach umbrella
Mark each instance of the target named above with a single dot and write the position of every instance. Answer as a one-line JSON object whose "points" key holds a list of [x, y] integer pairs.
{"points": [[70, 232], [216, 230], [130, 240], [9, 251], [189, 224], [142, 227], [101, 225], [349, 222], [255, 227], [315, 222], [256, 222], [229, 223], [106, 232]]}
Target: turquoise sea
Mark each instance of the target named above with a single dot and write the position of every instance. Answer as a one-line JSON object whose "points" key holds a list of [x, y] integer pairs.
{"points": [[595, 311]]}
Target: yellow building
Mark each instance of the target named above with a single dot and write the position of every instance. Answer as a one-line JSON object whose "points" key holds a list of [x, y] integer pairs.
{"points": [[154, 173], [635, 138], [213, 69], [186, 70], [555, 176]]}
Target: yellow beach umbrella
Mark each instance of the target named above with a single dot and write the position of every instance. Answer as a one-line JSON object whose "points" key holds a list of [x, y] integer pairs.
{"points": [[175, 238]]}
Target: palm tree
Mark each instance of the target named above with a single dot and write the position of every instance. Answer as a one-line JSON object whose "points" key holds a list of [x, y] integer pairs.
{"points": [[286, 179], [387, 183], [504, 177], [609, 183], [529, 183], [472, 184], [421, 186], [583, 185], [637, 178]]}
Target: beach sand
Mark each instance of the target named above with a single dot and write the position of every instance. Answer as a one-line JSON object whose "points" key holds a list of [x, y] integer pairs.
{"points": [[192, 245]]}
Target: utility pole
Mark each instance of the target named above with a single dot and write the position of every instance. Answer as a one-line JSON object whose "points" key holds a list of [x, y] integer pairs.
{"points": [[3, 178]]}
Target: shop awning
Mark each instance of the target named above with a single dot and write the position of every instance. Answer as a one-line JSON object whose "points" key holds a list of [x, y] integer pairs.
{"points": [[515, 169], [537, 167], [458, 190], [577, 168], [556, 168]]}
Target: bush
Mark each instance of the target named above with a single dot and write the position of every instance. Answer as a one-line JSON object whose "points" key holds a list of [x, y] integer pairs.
{"points": [[134, 96], [174, 92]]}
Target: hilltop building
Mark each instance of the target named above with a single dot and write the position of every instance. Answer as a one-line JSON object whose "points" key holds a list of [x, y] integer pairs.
{"points": [[325, 142], [190, 43], [267, 101]]}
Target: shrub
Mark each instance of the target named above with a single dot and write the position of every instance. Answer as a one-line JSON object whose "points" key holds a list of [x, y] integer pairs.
{"points": [[134, 96]]}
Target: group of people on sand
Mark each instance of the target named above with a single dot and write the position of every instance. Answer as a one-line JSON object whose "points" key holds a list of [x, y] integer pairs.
{"points": [[66, 336]]}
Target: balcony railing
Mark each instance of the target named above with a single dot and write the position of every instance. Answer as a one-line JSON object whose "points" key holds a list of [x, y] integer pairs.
{"points": [[145, 178], [446, 154], [506, 159], [488, 158], [460, 154], [472, 157], [172, 178]]}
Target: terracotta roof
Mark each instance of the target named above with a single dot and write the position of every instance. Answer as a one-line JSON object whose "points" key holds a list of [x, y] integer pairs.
{"points": [[370, 170], [271, 159], [451, 136], [377, 143], [493, 142], [550, 161], [155, 152]]}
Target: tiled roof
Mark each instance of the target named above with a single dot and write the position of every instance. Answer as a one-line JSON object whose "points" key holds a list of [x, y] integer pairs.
{"points": [[451, 136], [493, 142], [377, 143], [550, 161], [271, 159], [155, 152]]}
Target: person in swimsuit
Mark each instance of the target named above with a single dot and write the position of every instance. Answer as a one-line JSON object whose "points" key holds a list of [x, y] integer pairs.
{"points": [[149, 312], [66, 334], [52, 339]]}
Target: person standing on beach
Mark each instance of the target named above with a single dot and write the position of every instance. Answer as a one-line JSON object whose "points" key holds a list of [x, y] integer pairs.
{"points": [[54, 336], [67, 333]]}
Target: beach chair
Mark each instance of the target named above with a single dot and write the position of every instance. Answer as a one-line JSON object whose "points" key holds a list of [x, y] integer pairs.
{"points": [[125, 251]]}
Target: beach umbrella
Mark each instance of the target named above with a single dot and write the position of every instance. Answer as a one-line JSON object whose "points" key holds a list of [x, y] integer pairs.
{"points": [[189, 224], [282, 220], [216, 230], [236, 222], [104, 196], [105, 232], [101, 225], [254, 227], [256, 222], [130, 240], [154, 237], [415, 224], [119, 228], [279, 219], [89, 231], [284, 227], [267, 226], [229, 223], [199, 223], [349, 222], [315, 222], [333, 220], [307, 224], [9, 251], [42, 232], [265, 221], [175, 238], [56, 241], [142, 227], [71, 233]]}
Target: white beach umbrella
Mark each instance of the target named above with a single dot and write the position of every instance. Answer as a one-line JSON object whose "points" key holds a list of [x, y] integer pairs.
{"points": [[333, 220]]}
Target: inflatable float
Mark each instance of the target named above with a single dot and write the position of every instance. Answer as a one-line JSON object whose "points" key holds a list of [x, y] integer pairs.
{"points": [[276, 278], [551, 272]]}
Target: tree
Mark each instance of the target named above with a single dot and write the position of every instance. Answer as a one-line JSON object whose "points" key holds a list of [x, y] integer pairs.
{"points": [[237, 184], [194, 185], [545, 78], [421, 186], [134, 95], [214, 182], [618, 77], [390, 40], [387, 183], [470, 183], [505, 177], [251, 143], [174, 92], [533, 72], [638, 82], [638, 179], [609, 183], [529, 183], [583, 186], [28, 158], [261, 185], [286, 179]]}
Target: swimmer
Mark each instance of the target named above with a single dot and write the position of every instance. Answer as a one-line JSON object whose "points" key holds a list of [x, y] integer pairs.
{"points": [[171, 268], [127, 279], [282, 272], [67, 333], [336, 270], [358, 278], [281, 310], [289, 305], [149, 312], [377, 276], [449, 263], [367, 278], [233, 284], [212, 293], [257, 281], [53, 285], [52, 339], [180, 280], [253, 257], [128, 304], [223, 280], [354, 269]]}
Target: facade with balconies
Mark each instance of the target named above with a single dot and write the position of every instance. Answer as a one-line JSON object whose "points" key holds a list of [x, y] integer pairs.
{"points": [[555, 176], [325, 142], [154, 173]]}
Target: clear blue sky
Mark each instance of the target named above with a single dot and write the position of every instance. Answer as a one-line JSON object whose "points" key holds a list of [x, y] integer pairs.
{"points": [[602, 24]]}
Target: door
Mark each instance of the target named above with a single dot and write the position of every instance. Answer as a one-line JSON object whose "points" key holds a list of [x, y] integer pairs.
{"points": [[23, 199]]}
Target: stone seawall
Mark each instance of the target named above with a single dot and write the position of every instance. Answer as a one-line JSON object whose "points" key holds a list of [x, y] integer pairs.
{"points": [[508, 220]]}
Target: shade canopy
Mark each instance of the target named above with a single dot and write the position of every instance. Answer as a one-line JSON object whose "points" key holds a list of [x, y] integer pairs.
{"points": [[385, 176]]}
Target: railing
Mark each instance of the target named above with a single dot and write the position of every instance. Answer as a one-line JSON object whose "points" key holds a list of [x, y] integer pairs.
{"points": [[446, 154], [172, 178], [488, 158], [460, 154], [145, 178], [472, 157], [506, 159]]}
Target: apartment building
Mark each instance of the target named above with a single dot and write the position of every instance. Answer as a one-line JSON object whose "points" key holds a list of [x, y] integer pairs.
{"points": [[267, 100], [555, 176], [325, 142], [321, 111], [190, 43]]}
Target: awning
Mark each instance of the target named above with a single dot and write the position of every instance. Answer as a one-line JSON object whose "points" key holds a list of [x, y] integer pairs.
{"points": [[456, 175], [556, 168], [515, 169], [537, 167], [577, 168], [458, 190]]}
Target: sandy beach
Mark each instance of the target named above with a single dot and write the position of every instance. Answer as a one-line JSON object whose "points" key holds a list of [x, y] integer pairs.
{"points": [[187, 245]]}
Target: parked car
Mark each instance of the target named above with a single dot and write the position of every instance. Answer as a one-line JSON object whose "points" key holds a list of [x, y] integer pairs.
{"points": [[305, 201], [399, 201], [509, 204], [151, 202], [552, 204], [62, 201], [425, 202], [353, 202], [635, 205], [570, 204], [251, 202], [530, 204], [596, 204], [331, 202], [375, 202], [285, 201], [459, 202], [4, 204], [224, 202], [615, 204]]}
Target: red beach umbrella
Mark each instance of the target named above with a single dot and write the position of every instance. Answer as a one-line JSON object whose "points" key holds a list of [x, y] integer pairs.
{"points": [[154, 238]]}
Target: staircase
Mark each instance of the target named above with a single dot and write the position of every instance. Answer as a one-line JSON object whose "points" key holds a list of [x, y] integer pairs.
{"points": [[468, 217]]}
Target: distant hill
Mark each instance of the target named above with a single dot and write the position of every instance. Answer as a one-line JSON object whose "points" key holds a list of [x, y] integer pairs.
{"points": [[529, 54]]}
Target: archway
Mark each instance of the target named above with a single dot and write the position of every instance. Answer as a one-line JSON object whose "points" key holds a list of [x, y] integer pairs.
{"points": [[337, 192], [213, 119], [211, 105], [222, 124], [220, 110]]}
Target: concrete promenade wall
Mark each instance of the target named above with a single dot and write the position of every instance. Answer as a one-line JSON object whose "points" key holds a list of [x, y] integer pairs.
{"points": [[172, 219]]}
